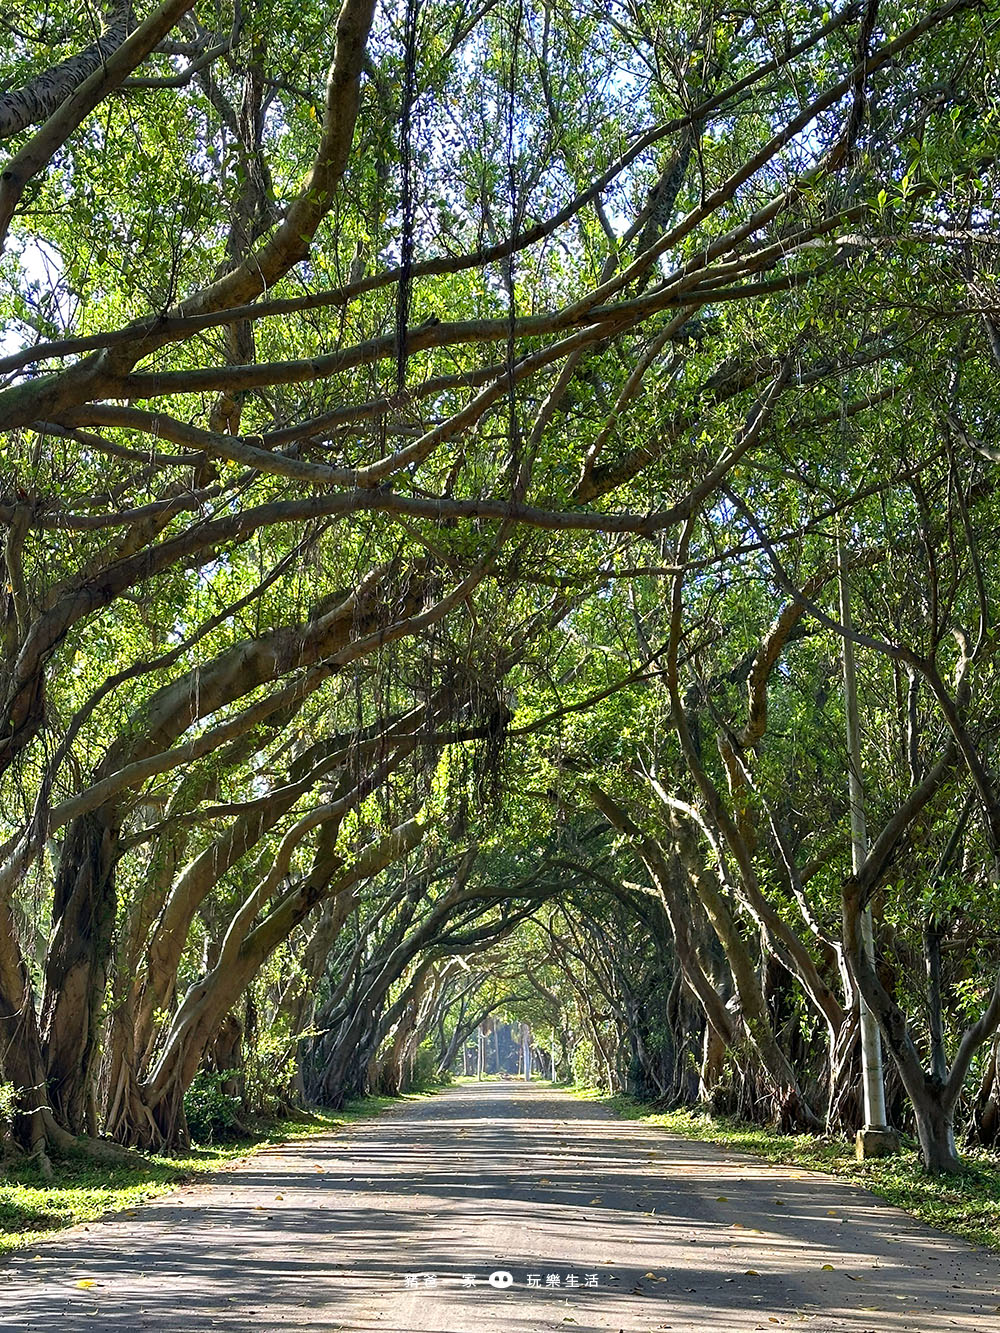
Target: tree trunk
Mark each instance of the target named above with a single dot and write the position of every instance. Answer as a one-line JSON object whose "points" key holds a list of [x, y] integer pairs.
{"points": [[934, 931], [76, 972], [345, 1067], [21, 1061], [845, 1109], [933, 1099], [712, 1061], [936, 1131], [986, 1109], [225, 1055], [792, 1109], [448, 1059]]}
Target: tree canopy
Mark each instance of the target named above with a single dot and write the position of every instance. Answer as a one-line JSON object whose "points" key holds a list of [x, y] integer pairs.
{"points": [[449, 449]]}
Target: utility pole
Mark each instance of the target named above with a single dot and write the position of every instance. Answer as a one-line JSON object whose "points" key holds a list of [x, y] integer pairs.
{"points": [[876, 1139], [526, 1051]]}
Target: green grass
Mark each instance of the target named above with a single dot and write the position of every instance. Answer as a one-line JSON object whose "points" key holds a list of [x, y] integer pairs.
{"points": [[83, 1190], [967, 1205]]}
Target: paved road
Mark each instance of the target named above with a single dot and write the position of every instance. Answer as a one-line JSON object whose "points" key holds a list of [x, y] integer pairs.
{"points": [[386, 1226]]}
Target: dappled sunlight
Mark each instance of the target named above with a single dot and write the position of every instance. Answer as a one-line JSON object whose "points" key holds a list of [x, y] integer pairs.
{"points": [[334, 1232]]}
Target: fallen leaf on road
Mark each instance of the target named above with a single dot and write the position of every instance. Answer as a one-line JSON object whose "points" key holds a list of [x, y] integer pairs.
{"points": [[828, 1268], [86, 1282], [721, 1198]]}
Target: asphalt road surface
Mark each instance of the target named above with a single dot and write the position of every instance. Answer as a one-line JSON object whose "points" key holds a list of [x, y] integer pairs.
{"points": [[398, 1223]]}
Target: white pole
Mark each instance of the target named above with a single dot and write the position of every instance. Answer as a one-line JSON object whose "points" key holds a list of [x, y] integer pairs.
{"points": [[526, 1051], [871, 1042]]}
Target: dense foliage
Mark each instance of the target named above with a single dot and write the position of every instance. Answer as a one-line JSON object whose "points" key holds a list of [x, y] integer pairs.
{"points": [[447, 451]]}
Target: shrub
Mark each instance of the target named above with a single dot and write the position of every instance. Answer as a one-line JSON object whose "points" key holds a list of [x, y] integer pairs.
{"points": [[424, 1068], [212, 1114], [8, 1105]]}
